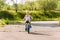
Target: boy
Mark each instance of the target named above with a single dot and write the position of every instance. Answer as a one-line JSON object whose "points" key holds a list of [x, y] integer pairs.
{"points": [[27, 18]]}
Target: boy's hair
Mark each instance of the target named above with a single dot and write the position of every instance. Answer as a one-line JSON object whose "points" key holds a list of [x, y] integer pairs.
{"points": [[27, 11]]}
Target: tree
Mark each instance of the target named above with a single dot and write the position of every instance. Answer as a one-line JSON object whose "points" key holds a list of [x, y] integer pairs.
{"points": [[2, 3], [47, 5], [15, 5], [58, 5], [29, 5]]}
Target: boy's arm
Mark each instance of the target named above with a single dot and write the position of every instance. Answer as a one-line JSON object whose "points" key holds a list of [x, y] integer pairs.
{"points": [[31, 17]]}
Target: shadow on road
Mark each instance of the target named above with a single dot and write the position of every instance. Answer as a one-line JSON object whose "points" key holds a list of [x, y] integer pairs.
{"points": [[34, 33]]}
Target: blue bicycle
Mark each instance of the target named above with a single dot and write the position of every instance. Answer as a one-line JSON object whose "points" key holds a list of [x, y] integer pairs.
{"points": [[28, 27]]}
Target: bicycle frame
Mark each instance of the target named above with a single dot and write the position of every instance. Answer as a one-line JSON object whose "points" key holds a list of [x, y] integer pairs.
{"points": [[28, 27]]}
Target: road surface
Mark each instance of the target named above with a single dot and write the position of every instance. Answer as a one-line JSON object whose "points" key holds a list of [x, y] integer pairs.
{"points": [[39, 31]]}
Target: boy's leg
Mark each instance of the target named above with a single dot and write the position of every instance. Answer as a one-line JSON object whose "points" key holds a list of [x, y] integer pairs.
{"points": [[25, 26], [30, 23]]}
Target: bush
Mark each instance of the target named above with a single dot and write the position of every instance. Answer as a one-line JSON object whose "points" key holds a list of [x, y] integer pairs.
{"points": [[21, 14], [52, 14], [6, 15], [2, 22], [37, 15]]}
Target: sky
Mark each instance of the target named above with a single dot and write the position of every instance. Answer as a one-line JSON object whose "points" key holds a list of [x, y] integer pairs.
{"points": [[18, 1]]}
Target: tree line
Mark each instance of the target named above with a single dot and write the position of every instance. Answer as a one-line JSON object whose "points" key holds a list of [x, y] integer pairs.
{"points": [[37, 5]]}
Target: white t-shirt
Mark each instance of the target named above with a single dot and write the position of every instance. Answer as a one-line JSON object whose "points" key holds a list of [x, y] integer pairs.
{"points": [[27, 17]]}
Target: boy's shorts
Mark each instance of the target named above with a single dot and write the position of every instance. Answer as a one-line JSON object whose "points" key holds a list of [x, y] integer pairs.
{"points": [[27, 22]]}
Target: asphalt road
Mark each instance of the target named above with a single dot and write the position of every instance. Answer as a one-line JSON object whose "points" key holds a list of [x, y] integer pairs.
{"points": [[43, 30]]}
